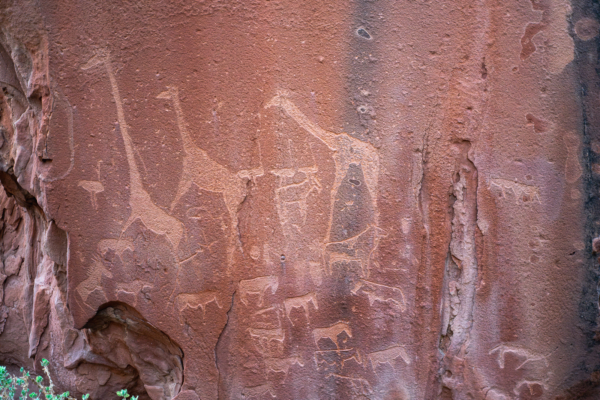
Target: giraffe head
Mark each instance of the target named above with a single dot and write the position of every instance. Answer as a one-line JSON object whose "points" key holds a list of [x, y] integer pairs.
{"points": [[170, 93], [99, 58]]}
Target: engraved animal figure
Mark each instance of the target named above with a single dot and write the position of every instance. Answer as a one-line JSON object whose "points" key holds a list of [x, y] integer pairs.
{"points": [[300, 302], [387, 356], [258, 391], [519, 189], [195, 300], [282, 364], [528, 355], [200, 169], [130, 288], [117, 245], [258, 286], [294, 186], [345, 148], [140, 202], [332, 332], [358, 248], [263, 339], [93, 188], [530, 385], [337, 358], [359, 386], [382, 293], [94, 279]]}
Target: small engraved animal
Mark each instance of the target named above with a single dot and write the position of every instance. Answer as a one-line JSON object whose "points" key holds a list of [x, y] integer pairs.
{"points": [[530, 385], [267, 335], [258, 286], [358, 249], [332, 333], [93, 188], [282, 364], [117, 245], [526, 354], [94, 279], [195, 300], [519, 190], [387, 356], [382, 293], [359, 386], [337, 358], [300, 302], [258, 391]]}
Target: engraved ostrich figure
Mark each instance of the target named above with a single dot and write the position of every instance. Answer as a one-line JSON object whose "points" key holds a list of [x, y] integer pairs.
{"points": [[346, 150], [200, 169], [140, 202]]}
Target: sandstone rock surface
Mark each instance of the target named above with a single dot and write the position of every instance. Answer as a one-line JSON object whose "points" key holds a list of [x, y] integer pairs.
{"points": [[245, 199]]}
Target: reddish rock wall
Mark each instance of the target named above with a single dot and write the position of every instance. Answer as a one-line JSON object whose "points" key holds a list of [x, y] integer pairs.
{"points": [[301, 200]]}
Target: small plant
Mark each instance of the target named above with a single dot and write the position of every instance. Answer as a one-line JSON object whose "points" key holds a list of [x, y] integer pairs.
{"points": [[10, 385]]}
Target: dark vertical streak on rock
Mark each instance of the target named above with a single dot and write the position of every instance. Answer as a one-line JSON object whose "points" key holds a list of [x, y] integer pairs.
{"points": [[584, 382], [219, 342]]}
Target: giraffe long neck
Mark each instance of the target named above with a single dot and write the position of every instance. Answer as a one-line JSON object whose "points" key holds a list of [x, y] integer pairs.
{"points": [[134, 174], [188, 143]]}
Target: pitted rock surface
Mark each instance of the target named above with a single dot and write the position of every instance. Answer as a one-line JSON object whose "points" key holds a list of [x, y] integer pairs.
{"points": [[301, 200]]}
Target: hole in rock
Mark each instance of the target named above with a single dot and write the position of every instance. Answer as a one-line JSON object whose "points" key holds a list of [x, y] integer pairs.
{"points": [[120, 346]]}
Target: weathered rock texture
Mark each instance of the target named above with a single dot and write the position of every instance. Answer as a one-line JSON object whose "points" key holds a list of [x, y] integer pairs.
{"points": [[364, 199]]}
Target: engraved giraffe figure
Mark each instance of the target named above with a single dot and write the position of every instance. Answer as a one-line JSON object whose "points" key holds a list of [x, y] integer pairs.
{"points": [[346, 150], [140, 202], [200, 169]]}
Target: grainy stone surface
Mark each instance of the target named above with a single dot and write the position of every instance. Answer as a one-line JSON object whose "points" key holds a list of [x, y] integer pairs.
{"points": [[300, 199]]}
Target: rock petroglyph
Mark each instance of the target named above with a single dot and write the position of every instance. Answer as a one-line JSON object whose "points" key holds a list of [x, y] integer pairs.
{"points": [[258, 286], [337, 358], [259, 391], [203, 171], [140, 203], [277, 365], [387, 356], [520, 191], [197, 300], [300, 302], [332, 332], [381, 293], [94, 279], [359, 249], [346, 150], [527, 355], [93, 188]]}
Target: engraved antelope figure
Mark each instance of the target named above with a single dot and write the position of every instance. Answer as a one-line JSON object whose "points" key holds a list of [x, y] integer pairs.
{"points": [[258, 286], [141, 204], [282, 364], [257, 391], [358, 249], [195, 300], [345, 148], [387, 356], [200, 169], [332, 333], [383, 293], [300, 302], [527, 354]]}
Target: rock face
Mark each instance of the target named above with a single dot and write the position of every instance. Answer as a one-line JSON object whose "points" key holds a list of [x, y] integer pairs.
{"points": [[302, 200]]}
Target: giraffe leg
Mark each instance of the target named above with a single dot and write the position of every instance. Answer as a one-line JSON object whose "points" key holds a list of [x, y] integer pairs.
{"points": [[234, 196], [334, 190], [184, 185]]}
